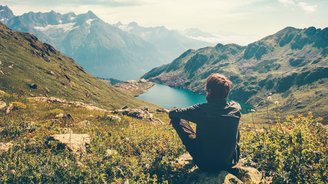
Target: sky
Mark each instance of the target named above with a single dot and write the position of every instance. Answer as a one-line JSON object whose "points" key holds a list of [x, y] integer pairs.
{"points": [[232, 21]]}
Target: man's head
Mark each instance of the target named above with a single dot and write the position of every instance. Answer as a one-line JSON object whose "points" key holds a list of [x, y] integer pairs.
{"points": [[217, 86]]}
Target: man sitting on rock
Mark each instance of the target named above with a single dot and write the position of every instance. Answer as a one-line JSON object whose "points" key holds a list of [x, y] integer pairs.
{"points": [[214, 146]]}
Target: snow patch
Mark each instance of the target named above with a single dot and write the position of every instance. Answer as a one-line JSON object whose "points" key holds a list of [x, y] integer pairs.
{"points": [[124, 27], [89, 21], [64, 27]]}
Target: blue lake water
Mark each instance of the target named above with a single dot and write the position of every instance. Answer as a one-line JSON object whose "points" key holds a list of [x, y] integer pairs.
{"points": [[169, 97]]}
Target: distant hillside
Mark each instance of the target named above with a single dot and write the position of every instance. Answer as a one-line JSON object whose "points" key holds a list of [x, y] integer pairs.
{"points": [[291, 64], [102, 49], [30, 67]]}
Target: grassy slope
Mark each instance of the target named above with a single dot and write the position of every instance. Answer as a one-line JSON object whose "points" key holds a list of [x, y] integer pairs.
{"points": [[145, 152], [22, 63]]}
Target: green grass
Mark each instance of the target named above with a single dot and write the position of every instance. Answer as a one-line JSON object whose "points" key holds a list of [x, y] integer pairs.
{"points": [[145, 151]]}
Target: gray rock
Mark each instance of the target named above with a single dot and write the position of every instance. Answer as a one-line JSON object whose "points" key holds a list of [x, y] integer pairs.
{"points": [[113, 118], [238, 174], [221, 178], [74, 142]]}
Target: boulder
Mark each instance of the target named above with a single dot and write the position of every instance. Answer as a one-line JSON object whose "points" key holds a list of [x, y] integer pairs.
{"points": [[238, 174], [113, 118], [74, 142], [247, 174], [2, 105], [33, 86], [219, 178], [134, 113], [4, 147], [141, 113]]}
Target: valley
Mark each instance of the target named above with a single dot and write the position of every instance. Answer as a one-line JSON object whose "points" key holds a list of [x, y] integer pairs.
{"points": [[69, 114]]}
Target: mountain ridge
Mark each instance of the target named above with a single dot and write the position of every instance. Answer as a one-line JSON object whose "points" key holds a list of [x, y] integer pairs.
{"points": [[101, 48], [283, 63]]}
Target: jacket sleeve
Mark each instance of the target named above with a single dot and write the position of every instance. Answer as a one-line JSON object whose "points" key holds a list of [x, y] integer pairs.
{"points": [[193, 113]]}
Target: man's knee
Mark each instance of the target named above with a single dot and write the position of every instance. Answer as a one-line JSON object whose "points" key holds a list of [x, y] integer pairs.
{"points": [[175, 123]]}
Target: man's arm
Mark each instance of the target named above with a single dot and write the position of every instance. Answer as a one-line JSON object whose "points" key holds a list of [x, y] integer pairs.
{"points": [[192, 113]]}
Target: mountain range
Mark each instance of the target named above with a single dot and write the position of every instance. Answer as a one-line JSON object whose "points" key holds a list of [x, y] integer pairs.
{"points": [[290, 66], [102, 49], [169, 43]]}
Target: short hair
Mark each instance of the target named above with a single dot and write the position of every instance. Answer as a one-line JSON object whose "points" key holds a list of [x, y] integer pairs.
{"points": [[218, 86]]}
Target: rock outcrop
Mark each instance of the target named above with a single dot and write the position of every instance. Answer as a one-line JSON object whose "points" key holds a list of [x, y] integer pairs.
{"points": [[63, 101], [238, 174], [112, 118], [74, 142], [138, 113]]}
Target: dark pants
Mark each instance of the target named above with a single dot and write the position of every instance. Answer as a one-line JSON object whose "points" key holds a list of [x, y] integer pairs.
{"points": [[187, 136]]}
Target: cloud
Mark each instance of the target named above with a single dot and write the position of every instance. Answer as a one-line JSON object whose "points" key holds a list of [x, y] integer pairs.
{"points": [[306, 7], [113, 3], [287, 2], [300, 4]]}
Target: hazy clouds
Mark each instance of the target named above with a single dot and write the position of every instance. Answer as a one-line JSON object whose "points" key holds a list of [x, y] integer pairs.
{"points": [[238, 21]]}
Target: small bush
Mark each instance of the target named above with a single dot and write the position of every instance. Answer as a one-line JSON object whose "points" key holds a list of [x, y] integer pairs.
{"points": [[55, 112], [294, 151]]}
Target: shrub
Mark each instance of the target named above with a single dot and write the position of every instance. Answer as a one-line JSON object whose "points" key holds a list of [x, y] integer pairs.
{"points": [[294, 151]]}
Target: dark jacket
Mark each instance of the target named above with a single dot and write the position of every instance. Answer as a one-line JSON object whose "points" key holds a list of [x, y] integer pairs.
{"points": [[217, 134]]}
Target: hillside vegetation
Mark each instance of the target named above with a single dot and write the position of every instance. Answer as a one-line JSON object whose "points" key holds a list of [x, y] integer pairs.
{"points": [[29, 67], [291, 64], [138, 151]]}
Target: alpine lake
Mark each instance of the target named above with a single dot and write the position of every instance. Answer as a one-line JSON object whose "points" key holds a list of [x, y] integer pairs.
{"points": [[169, 97]]}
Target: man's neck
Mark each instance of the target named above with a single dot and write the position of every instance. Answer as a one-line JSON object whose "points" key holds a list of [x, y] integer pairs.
{"points": [[216, 100]]}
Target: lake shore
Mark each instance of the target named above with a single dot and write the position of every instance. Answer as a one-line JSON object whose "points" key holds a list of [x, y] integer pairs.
{"points": [[135, 87]]}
